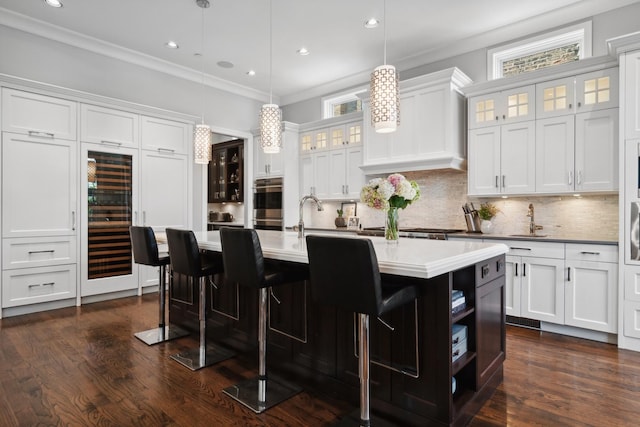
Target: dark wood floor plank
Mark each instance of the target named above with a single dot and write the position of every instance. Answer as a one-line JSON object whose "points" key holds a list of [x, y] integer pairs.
{"points": [[82, 366]]}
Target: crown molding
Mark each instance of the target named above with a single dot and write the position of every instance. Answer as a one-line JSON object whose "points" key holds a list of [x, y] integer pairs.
{"points": [[62, 35]]}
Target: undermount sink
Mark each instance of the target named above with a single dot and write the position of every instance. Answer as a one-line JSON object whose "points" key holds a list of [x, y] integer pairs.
{"points": [[527, 235]]}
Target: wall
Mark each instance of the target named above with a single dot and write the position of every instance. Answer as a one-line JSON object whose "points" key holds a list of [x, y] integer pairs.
{"points": [[445, 191], [474, 64]]}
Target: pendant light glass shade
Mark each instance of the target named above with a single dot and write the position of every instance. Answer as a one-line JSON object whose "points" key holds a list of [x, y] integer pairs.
{"points": [[385, 103], [270, 128], [202, 144]]}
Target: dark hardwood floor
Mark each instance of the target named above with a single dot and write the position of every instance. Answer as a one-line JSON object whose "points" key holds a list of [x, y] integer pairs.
{"points": [[82, 366]]}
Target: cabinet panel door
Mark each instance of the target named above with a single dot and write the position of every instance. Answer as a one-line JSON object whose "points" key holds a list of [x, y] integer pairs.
{"points": [[33, 114], [24, 286], [517, 158], [632, 95], [555, 154], [108, 126], [337, 174], [403, 140], [543, 289], [512, 286], [484, 160], [632, 319], [39, 180], [591, 295], [484, 110], [518, 104], [165, 135], [321, 173], [306, 174], [164, 199], [376, 145], [632, 284], [597, 150], [355, 178]]}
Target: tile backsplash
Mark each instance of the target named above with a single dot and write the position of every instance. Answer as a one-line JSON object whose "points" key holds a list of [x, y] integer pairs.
{"points": [[445, 191]]}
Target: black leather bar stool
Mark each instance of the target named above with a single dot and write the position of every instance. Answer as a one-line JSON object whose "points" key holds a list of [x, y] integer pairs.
{"points": [[344, 273], [187, 260], [244, 264], [145, 252]]}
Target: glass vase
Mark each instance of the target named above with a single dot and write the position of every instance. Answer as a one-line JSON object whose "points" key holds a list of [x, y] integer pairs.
{"points": [[391, 225]]}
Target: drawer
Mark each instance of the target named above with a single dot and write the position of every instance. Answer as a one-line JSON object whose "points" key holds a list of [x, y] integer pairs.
{"points": [[165, 135], [458, 350], [601, 253], [37, 285], [632, 319], [487, 271], [38, 252], [535, 249]]}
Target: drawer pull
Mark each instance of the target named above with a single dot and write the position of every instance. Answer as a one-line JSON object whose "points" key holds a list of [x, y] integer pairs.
{"points": [[42, 252], [515, 248], [166, 150], [455, 353], [455, 341], [41, 284], [43, 134], [589, 253], [115, 143]]}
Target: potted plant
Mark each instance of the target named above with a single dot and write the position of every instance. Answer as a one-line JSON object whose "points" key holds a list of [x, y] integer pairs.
{"points": [[486, 213], [340, 220]]}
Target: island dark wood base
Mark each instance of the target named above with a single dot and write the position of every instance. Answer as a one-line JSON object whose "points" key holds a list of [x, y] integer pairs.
{"points": [[315, 345]]}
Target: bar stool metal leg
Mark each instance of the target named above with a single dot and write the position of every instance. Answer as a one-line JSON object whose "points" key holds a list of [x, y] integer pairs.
{"points": [[259, 393], [363, 324], [202, 356], [164, 332]]}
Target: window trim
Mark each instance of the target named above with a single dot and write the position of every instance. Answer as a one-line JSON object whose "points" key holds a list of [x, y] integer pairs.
{"points": [[579, 33]]}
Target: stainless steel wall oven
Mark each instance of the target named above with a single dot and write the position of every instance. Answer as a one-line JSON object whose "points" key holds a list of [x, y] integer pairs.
{"points": [[267, 204]]}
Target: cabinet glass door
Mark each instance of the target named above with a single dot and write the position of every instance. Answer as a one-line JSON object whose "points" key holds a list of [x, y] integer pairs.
{"points": [[109, 214]]}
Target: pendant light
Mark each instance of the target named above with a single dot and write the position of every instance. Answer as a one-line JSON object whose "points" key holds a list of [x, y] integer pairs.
{"points": [[202, 132], [385, 103], [270, 114]]}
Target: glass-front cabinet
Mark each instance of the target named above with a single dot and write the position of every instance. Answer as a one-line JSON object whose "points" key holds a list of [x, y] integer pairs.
{"points": [[226, 172]]}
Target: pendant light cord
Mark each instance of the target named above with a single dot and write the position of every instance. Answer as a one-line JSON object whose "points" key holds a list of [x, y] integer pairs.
{"points": [[270, 54], [384, 25], [202, 65]]}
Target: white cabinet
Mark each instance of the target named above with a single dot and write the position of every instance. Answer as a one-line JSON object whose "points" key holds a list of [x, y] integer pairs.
{"points": [[431, 132], [266, 165], [508, 106], [25, 286], [314, 174], [314, 140], [502, 159], [38, 186], [165, 136], [108, 126], [591, 294], [631, 301], [38, 115], [555, 154], [513, 286], [345, 177], [631, 73]]}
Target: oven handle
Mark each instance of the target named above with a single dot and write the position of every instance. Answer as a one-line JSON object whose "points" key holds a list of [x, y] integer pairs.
{"points": [[256, 220], [264, 187]]}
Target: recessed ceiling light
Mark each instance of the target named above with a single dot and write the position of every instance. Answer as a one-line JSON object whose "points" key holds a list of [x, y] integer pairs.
{"points": [[225, 64], [53, 3], [303, 51], [251, 73], [171, 44], [371, 23]]}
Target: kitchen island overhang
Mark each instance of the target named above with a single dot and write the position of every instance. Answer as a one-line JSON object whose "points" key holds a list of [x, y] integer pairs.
{"points": [[315, 345]]}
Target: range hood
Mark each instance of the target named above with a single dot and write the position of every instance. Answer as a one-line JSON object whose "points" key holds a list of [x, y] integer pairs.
{"points": [[432, 131]]}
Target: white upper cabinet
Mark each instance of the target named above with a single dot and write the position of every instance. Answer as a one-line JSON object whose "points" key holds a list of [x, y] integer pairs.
{"points": [[555, 98], [632, 94], [314, 140], [38, 115], [508, 106], [555, 154], [596, 160], [165, 135], [345, 135], [266, 165], [108, 126]]}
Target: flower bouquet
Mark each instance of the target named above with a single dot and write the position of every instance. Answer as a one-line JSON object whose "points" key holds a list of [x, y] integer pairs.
{"points": [[390, 194]]}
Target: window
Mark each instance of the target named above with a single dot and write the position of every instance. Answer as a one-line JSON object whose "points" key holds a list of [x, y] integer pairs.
{"points": [[341, 104], [555, 48]]}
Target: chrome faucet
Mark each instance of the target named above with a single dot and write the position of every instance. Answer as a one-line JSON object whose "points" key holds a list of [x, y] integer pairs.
{"points": [[300, 221], [532, 222]]}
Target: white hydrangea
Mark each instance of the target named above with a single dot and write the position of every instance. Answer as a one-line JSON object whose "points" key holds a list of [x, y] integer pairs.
{"points": [[406, 191], [386, 189]]}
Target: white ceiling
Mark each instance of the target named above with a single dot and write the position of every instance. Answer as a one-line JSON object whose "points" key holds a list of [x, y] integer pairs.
{"points": [[343, 52]]}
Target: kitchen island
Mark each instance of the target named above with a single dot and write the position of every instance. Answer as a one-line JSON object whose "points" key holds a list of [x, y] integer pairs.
{"points": [[314, 345]]}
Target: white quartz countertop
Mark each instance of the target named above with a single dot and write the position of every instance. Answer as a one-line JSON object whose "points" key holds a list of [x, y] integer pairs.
{"points": [[422, 258]]}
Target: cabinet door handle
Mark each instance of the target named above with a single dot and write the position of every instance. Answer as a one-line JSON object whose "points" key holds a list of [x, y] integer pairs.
{"points": [[41, 134], [347, 189], [524, 269], [497, 118], [114, 143], [503, 182], [519, 249], [589, 253], [568, 274], [579, 182], [42, 252], [497, 182], [135, 217], [166, 150], [73, 220], [570, 105], [516, 265], [144, 218], [579, 104], [570, 178]]}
